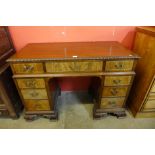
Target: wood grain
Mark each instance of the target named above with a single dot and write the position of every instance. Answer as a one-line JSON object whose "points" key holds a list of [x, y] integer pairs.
{"points": [[37, 105], [112, 102], [114, 80], [31, 83], [74, 66], [68, 50], [144, 46], [28, 68], [114, 91], [34, 93], [121, 65]]}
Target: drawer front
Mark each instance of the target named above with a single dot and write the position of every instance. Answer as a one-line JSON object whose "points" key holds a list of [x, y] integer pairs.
{"points": [[34, 94], [117, 80], [4, 112], [121, 65], [76, 66], [112, 102], [114, 91], [28, 68], [37, 105], [31, 83], [153, 88], [150, 104]]}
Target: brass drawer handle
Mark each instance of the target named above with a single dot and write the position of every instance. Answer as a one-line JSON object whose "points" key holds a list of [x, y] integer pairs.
{"points": [[34, 94], [119, 65], [28, 68], [0, 113], [117, 81], [114, 91], [30, 83]]}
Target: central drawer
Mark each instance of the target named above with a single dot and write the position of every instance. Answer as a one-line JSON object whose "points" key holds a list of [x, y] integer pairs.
{"points": [[112, 102], [114, 91], [34, 93], [74, 66], [117, 80]]}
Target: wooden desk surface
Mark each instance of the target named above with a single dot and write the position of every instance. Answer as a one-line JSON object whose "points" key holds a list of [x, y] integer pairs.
{"points": [[72, 50]]}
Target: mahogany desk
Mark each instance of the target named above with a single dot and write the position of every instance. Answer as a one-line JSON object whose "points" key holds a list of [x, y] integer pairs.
{"points": [[38, 64]]}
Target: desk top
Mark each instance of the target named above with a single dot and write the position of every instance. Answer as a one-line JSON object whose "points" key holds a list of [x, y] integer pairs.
{"points": [[72, 50]]}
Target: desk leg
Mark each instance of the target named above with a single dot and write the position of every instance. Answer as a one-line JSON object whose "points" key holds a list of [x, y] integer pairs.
{"points": [[53, 91]]}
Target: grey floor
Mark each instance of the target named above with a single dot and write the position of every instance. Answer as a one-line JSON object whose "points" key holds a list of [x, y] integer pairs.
{"points": [[75, 111]]}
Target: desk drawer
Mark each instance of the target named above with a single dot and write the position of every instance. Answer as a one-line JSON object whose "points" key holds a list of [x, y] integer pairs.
{"points": [[74, 66], [28, 68], [112, 102], [150, 104], [31, 83], [121, 65], [117, 80], [37, 105], [34, 93], [114, 91]]}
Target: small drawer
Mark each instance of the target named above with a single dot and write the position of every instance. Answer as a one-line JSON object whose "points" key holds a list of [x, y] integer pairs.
{"points": [[117, 80], [28, 68], [4, 112], [114, 91], [37, 105], [150, 104], [31, 83], [112, 102], [34, 93], [74, 66], [121, 65]]}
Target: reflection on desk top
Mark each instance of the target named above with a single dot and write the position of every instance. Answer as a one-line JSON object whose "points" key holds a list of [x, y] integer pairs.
{"points": [[72, 50]]}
